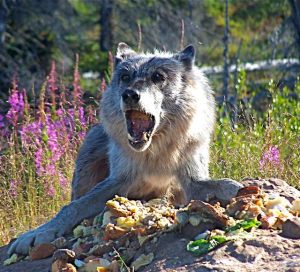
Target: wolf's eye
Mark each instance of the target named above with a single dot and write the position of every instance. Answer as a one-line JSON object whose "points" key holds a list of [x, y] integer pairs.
{"points": [[157, 77], [125, 78]]}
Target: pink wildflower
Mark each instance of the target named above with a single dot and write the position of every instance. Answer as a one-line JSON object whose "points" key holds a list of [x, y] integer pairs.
{"points": [[270, 157], [13, 187], [52, 79], [50, 190], [63, 181], [39, 161], [1, 121], [81, 116], [16, 101], [103, 85]]}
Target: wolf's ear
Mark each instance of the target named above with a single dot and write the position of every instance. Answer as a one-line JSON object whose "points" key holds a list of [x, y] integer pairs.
{"points": [[123, 52], [187, 56]]}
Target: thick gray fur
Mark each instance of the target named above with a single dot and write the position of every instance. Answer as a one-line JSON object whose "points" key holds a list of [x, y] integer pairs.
{"points": [[172, 163]]}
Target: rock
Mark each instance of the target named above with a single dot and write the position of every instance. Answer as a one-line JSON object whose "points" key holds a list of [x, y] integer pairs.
{"points": [[92, 265], [274, 185], [142, 260], [60, 242], [99, 250], [12, 259], [58, 266], [114, 266], [215, 213], [296, 206], [78, 231], [82, 248], [113, 232], [65, 255], [263, 250], [249, 190], [42, 251], [89, 258], [291, 228], [61, 259]]}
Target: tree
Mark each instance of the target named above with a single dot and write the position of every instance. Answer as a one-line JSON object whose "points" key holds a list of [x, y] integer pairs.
{"points": [[295, 6], [106, 23]]}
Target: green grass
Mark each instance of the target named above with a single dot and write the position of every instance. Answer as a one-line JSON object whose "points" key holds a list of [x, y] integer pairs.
{"points": [[237, 150]]}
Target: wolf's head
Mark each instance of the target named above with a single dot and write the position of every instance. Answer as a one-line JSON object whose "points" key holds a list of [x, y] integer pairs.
{"points": [[147, 94]]}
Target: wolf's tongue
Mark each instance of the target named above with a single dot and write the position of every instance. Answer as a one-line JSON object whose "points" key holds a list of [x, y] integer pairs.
{"points": [[139, 127]]}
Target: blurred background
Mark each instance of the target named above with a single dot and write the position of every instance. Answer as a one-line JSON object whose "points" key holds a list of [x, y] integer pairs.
{"points": [[35, 32]]}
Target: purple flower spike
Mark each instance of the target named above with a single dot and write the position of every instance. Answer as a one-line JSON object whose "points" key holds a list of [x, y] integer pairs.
{"points": [[271, 157], [2, 121], [13, 187], [50, 191], [17, 105]]}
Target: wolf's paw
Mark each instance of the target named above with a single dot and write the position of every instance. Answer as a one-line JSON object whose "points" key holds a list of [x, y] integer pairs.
{"points": [[226, 188], [43, 234], [222, 189]]}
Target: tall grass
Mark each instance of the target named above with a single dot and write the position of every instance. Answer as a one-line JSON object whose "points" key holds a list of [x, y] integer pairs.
{"points": [[39, 142], [262, 144]]}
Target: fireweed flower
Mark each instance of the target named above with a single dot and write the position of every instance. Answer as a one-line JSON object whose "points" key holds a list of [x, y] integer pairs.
{"points": [[53, 141], [63, 182], [77, 91], [50, 190], [16, 102], [31, 134], [81, 116], [91, 116], [271, 157], [103, 85], [1, 121], [52, 78], [38, 159], [50, 169], [59, 113], [13, 188]]}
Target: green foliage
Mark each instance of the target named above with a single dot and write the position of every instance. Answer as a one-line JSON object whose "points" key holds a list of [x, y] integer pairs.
{"points": [[237, 151], [251, 22], [203, 246], [247, 224]]}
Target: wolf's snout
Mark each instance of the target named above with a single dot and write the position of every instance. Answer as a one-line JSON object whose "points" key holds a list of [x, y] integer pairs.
{"points": [[131, 96]]}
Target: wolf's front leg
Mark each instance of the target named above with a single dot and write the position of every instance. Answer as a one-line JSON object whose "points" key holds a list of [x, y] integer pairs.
{"points": [[70, 215]]}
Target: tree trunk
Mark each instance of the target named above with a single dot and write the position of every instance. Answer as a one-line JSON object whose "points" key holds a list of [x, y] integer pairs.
{"points": [[3, 17], [225, 54], [295, 6], [106, 23]]}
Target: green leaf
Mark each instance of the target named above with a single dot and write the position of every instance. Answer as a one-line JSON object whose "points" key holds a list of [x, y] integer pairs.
{"points": [[246, 224], [203, 246]]}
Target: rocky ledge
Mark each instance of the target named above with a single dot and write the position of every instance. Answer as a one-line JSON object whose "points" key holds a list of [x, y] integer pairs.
{"points": [[269, 249]]}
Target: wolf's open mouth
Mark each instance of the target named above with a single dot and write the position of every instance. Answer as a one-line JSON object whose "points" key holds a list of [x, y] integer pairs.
{"points": [[140, 127]]}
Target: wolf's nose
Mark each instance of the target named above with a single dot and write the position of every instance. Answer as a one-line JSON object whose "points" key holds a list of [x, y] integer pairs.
{"points": [[130, 96]]}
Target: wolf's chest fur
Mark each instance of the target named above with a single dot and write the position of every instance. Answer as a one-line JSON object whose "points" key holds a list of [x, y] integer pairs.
{"points": [[150, 186]]}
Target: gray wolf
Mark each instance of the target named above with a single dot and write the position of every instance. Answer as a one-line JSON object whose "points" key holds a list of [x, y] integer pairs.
{"points": [[157, 118]]}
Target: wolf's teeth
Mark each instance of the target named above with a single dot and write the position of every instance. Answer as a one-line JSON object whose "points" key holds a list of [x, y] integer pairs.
{"points": [[130, 137], [145, 136]]}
